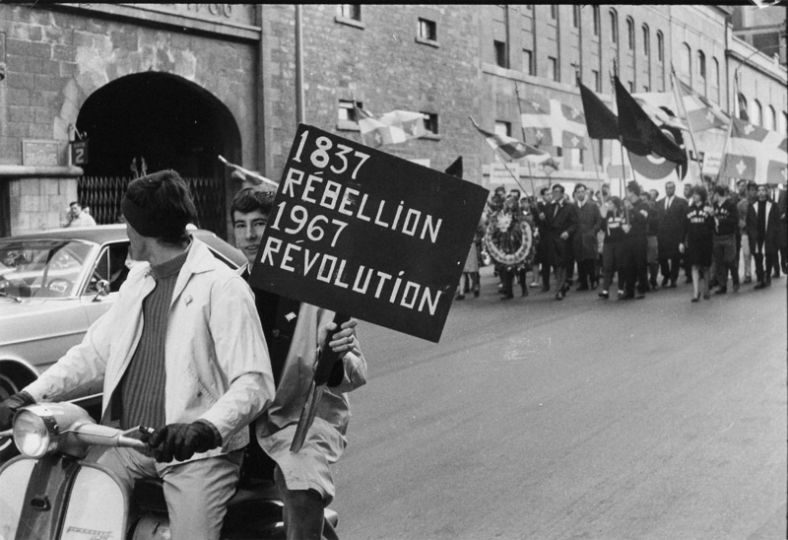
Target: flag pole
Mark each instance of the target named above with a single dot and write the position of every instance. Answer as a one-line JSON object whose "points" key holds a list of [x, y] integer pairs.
{"points": [[500, 159], [724, 157], [680, 104], [522, 129], [621, 148]]}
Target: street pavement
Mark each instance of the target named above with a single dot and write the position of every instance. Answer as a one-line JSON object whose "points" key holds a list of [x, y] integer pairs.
{"points": [[580, 419]]}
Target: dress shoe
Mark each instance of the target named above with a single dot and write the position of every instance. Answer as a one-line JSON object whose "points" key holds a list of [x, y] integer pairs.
{"points": [[460, 297], [627, 296], [507, 296], [604, 294], [706, 296], [760, 285], [722, 290], [640, 296], [695, 298], [560, 295], [476, 292]]}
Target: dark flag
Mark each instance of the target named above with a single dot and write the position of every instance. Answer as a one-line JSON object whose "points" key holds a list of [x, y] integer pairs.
{"points": [[455, 169], [640, 134], [600, 121]]}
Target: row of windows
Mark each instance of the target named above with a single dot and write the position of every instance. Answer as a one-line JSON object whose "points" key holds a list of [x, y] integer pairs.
{"points": [[347, 113], [757, 116], [426, 29], [685, 69]]}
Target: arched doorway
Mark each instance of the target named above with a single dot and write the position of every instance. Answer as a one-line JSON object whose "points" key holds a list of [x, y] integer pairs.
{"points": [[169, 122]]}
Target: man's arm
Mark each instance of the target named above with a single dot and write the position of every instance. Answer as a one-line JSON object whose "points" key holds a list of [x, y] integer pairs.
{"points": [[82, 364], [242, 354], [345, 342]]}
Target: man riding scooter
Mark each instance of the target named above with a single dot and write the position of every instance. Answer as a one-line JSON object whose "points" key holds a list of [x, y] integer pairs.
{"points": [[181, 349], [294, 331]]}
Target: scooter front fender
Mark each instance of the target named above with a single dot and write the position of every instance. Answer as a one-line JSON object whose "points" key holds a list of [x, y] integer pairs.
{"points": [[55, 498]]}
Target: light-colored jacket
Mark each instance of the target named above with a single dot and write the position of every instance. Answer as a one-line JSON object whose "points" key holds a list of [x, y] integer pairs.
{"points": [[325, 442], [216, 359]]}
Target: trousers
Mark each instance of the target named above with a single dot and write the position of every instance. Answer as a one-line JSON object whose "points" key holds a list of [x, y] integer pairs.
{"points": [[196, 492], [303, 512], [724, 253]]}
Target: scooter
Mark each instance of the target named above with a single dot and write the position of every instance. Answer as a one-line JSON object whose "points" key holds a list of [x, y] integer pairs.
{"points": [[50, 492]]}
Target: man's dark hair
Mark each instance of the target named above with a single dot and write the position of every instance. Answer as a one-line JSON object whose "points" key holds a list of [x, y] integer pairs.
{"points": [[751, 185], [721, 190], [580, 186], [160, 205], [251, 199], [633, 187], [75, 202], [559, 186], [544, 190]]}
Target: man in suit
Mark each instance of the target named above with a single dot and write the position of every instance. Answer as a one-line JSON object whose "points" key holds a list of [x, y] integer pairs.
{"points": [[763, 229], [561, 224], [671, 229], [585, 241]]}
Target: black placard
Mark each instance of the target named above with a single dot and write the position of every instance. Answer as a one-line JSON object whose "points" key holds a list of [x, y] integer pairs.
{"points": [[362, 232]]}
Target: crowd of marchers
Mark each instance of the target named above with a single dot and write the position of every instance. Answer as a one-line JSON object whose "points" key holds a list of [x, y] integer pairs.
{"points": [[627, 247]]}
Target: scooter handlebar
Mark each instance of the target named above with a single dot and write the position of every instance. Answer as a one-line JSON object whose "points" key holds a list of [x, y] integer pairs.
{"points": [[106, 436]]}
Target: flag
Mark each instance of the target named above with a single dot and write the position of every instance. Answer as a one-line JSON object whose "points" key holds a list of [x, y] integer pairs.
{"points": [[756, 154], [601, 123], [640, 134], [245, 174], [455, 169], [511, 147], [701, 114], [552, 123], [392, 128]]}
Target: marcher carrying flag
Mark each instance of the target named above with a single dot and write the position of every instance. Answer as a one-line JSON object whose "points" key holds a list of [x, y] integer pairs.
{"points": [[392, 128]]}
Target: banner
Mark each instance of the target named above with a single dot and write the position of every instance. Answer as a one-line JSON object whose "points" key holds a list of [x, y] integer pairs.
{"points": [[365, 233]]}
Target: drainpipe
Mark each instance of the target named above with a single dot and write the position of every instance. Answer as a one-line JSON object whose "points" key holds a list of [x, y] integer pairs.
{"points": [[299, 62]]}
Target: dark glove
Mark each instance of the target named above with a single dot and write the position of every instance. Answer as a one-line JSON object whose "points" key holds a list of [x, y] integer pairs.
{"points": [[182, 441], [9, 407]]}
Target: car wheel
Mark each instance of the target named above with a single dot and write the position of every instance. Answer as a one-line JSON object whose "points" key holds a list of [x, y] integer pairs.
{"points": [[7, 447]]}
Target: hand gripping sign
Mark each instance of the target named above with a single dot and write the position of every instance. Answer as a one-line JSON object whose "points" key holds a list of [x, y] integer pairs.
{"points": [[362, 232]]}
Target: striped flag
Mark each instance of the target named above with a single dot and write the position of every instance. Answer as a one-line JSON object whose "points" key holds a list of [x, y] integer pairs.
{"points": [[392, 128], [512, 148], [756, 154], [552, 123]]}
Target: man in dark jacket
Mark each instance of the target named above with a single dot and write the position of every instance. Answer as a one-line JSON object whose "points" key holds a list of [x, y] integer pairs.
{"points": [[635, 244], [561, 224], [671, 229], [585, 240], [726, 221], [763, 229]]}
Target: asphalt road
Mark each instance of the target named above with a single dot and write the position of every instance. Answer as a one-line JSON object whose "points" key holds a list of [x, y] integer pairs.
{"points": [[581, 419]]}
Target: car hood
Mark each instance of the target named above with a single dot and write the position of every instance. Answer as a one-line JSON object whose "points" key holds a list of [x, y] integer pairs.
{"points": [[31, 318]]}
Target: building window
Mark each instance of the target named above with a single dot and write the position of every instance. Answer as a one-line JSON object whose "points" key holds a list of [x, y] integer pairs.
{"points": [[528, 62], [631, 86], [770, 122], [756, 113], [597, 80], [500, 53], [716, 80], [660, 47], [630, 34], [646, 88], [430, 122], [741, 107], [347, 112], [784, 123], [701, 64], [428, 30], [576, 16], [503, 128], [646, 41], [613, 26], [685, 62], [552, 69], [350, 11], [553, 11], [596, 20]]}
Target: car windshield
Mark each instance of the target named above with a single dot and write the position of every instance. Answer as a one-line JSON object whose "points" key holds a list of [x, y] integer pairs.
{"points": [[41, 267]]}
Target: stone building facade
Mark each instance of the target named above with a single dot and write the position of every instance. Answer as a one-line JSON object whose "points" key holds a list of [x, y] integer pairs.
{"points": [[179, 84]]}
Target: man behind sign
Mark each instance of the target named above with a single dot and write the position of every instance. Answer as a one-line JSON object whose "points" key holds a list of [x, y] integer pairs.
{"points": [[294, 331]]}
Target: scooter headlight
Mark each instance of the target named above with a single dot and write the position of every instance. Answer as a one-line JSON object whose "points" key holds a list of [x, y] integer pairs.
{"points": [[34, 435]]}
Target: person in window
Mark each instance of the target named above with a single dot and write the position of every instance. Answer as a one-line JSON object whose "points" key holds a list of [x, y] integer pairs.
{"points": [[697, 246], [294, 331]]}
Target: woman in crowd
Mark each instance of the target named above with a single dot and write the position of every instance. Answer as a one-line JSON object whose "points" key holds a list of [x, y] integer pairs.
{"points": [[612, 256], [697, 247]]}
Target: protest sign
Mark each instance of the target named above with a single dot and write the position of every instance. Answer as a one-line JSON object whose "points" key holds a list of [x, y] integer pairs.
{"points": [[362, 232]]}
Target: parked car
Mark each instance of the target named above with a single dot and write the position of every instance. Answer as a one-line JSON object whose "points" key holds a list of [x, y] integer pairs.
{"points": [[53, 285]]}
